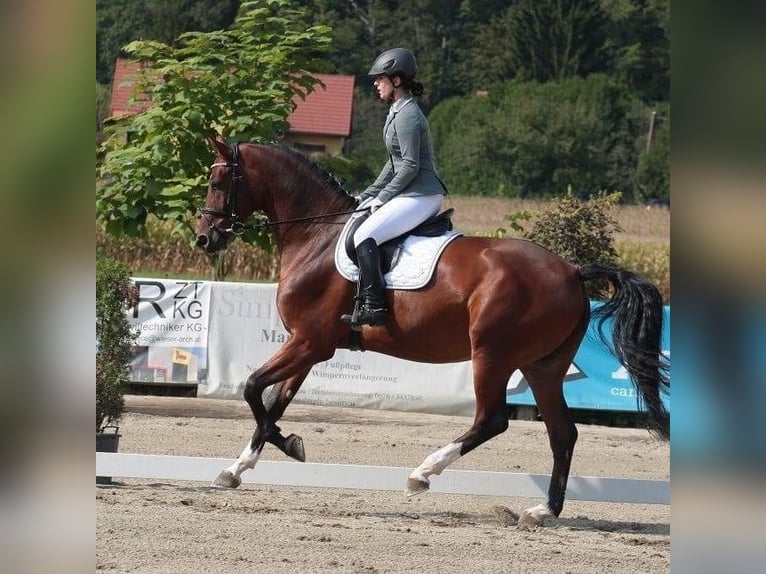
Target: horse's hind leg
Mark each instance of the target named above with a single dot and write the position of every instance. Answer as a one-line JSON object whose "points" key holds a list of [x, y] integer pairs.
{"points": [[490, 419], [562, 435], [546, 379]]}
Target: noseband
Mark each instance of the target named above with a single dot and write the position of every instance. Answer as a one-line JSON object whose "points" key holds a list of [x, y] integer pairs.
{"points": [[229, 210]]}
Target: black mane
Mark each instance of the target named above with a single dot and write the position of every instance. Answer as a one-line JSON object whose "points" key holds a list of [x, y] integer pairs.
{"points": [[321, 171], [323, 174]]}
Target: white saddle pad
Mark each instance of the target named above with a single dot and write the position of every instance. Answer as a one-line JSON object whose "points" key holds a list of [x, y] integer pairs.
{"points": [[416, 263]]}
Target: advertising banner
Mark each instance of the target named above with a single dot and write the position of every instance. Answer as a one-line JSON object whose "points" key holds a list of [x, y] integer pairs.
{"points": [[172, 320], [245, 331], [595, 379], [215, 334]]}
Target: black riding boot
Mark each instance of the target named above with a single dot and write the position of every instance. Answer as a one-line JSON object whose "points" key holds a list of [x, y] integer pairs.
{"points": [[373, 312]]}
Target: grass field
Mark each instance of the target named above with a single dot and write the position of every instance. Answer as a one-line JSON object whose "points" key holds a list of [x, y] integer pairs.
{"points": [[478, 215]]}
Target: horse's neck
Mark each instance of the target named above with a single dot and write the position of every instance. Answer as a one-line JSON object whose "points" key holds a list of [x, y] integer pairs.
{"points": [[300, 204]]}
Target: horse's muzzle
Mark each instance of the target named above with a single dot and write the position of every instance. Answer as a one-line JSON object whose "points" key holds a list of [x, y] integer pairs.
{"points": [[211, 242], [203, 241]]}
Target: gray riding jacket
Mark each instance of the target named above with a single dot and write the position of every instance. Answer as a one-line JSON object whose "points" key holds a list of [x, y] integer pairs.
{"points": [[410, 170]]}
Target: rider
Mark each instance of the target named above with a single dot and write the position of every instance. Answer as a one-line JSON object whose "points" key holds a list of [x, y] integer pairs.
{"points": [[408, 191]]}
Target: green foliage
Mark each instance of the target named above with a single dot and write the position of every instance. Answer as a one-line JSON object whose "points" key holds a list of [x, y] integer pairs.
{"points": [[579, 231], [115, 293], [120, 21], [462, 48], [480, 65], [534, 140], [653, 174], [557, 39], [366, 144], [461, 129], [238, 82], [638, 44], [103, 98]]}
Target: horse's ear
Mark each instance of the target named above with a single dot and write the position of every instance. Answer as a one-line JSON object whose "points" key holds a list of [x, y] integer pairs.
{"points": [[219, 144]]}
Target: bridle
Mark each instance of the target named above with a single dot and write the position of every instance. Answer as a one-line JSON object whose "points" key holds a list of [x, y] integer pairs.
{"points": [[229, 210]]}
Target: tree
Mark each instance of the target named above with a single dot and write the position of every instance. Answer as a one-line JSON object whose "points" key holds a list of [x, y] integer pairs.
{"points": [[556, 39], [638, 43], [534, 140], [239, 83], [120, 21], [481, 65], [653, 173]]}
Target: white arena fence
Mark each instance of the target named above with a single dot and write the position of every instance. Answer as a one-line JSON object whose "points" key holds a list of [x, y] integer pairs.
{"points": [[289, 473]]}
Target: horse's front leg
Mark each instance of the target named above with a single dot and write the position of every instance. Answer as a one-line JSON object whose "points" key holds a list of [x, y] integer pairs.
{"points": [[230, 476], [279, 371]]}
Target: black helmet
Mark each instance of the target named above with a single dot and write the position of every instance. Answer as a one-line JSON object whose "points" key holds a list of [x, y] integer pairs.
{"points": [[395, 61]]}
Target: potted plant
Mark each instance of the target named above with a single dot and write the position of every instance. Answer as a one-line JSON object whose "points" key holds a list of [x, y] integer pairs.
{"points": [[115, 294]]}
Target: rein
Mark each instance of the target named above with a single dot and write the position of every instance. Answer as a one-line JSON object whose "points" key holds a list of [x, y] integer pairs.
{"points": [[238, 228], [229, 211]]}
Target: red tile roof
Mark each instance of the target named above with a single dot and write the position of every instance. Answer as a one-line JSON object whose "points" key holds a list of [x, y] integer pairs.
{"points": [[326, 111], [122, 88]]}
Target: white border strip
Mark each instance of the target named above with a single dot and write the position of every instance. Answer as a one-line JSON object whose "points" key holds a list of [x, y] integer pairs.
{"points": [[288, 473]]}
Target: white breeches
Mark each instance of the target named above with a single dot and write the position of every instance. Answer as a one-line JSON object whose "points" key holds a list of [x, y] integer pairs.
{"points": [[397, 217]]}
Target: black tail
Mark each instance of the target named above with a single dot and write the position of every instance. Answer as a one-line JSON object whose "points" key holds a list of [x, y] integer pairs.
{"points": [[636, 308]]}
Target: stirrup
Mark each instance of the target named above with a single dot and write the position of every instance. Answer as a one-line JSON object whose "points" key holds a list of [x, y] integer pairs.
{"points": [[363, 315], [358, 303], [372, 315]]}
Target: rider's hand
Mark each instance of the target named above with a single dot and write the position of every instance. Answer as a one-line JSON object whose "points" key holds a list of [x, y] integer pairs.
{"points": [[374, 205]]}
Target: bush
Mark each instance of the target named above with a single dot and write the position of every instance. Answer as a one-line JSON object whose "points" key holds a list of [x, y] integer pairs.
{"points": [[115, 293], [579, 231]]}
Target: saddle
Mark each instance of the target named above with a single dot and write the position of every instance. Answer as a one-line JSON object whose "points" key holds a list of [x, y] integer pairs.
{"points": [[391, 249]]}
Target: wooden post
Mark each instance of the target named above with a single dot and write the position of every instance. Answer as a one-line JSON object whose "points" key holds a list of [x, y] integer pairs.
{"points": [[651, 130]]}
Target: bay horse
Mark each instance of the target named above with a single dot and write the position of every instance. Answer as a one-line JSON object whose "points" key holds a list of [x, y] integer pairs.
{"points": [[503, 304]]}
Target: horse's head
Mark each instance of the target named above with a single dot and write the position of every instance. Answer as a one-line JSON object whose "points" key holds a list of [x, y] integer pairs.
{"points": [[226, 206]]}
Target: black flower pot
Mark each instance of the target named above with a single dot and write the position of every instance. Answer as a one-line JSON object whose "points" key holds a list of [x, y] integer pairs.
{"points": [[107, 442]]}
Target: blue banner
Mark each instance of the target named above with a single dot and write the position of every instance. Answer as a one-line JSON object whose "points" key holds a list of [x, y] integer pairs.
{"points": [[595, 380]]}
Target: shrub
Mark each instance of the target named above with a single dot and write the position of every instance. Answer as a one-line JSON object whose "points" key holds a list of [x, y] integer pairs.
{"points": [[579, 231], [115, 293]]}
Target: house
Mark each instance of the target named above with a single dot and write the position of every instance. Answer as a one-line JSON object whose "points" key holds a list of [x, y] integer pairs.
{"points": [[319, 125]]}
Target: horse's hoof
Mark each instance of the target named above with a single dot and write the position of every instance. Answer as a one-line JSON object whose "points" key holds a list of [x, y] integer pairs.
{"points": [[294, 448], [227, 480], [416, 486], [528, 522]]}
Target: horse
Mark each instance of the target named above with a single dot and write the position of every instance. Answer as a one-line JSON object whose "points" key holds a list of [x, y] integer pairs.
{"points": [[504, 304]]}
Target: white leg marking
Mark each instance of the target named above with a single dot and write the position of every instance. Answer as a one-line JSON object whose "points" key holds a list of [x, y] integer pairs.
{"points": [[436, 462], [246, 460], [533, 517], [540, 511]]}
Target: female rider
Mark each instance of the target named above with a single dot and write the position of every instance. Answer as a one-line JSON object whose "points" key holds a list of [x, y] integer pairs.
{"points": [[408, 191]]}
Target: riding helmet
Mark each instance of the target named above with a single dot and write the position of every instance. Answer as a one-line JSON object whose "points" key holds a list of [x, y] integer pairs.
{"points": [[395, 61]]}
